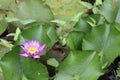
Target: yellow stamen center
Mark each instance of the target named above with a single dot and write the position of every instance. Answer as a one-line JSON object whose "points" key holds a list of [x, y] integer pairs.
{"points": [[32, 50]]}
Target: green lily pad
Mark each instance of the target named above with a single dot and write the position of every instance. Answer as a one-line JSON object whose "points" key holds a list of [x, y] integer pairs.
{"points": [[4, 4], [3, 25], [110, 9], [1, 74], [34, 70], [104, 39], [68, 12], [53, 62], [3, 50], [83, 23], [80, 66], [10, 65], [29, 9], [14, 67], [74, 40], [42, 32]]}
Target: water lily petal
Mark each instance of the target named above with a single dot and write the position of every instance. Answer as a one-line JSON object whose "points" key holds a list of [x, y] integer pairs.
{"points": [[35, 43], [24, 54], [32, 49], [26, 45], [36, 56], [41, 49], [23, 48]]}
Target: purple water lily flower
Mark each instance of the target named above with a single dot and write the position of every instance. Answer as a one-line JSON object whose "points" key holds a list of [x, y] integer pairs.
{"points": [[32, 49]]}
